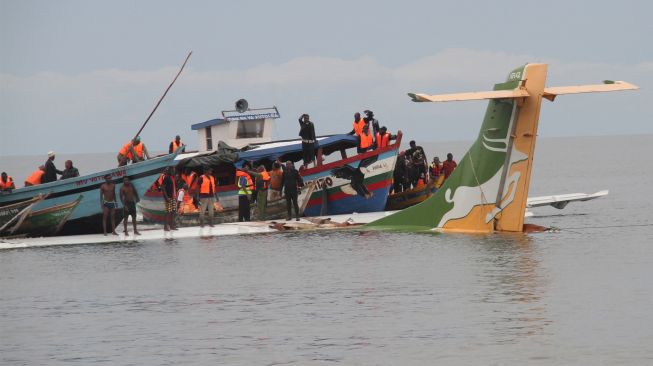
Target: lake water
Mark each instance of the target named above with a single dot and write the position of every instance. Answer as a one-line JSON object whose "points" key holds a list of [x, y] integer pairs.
{"points": [[581, 296]]}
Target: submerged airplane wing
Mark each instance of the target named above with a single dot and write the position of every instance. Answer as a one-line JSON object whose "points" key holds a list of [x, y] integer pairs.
{"points": [[552, 92], [494, 94], [561, 200]]}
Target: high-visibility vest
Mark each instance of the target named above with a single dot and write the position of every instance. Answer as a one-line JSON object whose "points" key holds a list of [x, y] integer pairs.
{"points": [[208, 184], [275, 179], [8, 183], [266, 179], [125, 150], [250, 185], [36, 177], [191, 181], [176, 146], [139, 150], [358, 126], [366, 140], [382, 141]]}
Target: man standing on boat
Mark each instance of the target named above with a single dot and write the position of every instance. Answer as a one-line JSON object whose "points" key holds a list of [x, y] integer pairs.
{"points": [[207, 193], [170, 199], [417, 157], [291, 182], [129, 197], [400, 173], [175, 145], [51, 171], [373, 123], [366, 142], [70, 171], [6, 182], [108, 204], [245, 186], [307, 133], [357, 125]]}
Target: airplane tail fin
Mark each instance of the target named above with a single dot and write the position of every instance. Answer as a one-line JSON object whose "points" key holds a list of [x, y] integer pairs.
{"points": [[488, 190]]}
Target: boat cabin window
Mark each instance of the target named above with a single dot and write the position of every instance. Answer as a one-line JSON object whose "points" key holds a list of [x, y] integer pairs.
{"points": [[250, 129], [209, 138]]}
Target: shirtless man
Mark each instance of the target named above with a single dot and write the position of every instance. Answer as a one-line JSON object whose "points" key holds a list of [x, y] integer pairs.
{"points": [[129, 197], [108, 204]]}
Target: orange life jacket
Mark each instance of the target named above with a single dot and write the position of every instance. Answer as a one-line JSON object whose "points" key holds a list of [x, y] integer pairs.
{"points": [[191, 181], [436, 169], [36, 177], [275, 179], [266, 179], [250, 184], [8, 183], [382, 141], [420, 183], [366, 140], [176, 146], [208, 184], [125, 150], [358, 126], [139, 150]]}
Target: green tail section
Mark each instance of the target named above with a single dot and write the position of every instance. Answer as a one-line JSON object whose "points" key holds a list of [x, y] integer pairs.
{"points": [[471, 192]]}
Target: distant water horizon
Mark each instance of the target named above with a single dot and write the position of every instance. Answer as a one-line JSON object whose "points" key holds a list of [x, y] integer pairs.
{"points": [[21, 166]]}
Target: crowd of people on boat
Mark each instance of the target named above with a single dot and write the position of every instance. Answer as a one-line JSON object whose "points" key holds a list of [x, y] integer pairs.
{"points": [[412, 170], [44, 174], [187, 191], [369, 135]]}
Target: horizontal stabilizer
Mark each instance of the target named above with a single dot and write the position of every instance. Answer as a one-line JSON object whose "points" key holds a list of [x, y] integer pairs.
{"points": [[495, 94], [561, 200], [607, 86]]}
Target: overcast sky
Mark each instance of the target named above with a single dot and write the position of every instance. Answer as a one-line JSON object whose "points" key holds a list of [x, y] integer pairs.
{"points": [[82, 76]]}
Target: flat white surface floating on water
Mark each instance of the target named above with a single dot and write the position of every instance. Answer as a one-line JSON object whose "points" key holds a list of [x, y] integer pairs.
{"points": [[150, 232]]}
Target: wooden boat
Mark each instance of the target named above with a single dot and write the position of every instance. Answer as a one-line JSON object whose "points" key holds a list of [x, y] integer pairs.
{"points": [[12, 216], [401, 200], [342, 184], [87, 217], [48, 221]]}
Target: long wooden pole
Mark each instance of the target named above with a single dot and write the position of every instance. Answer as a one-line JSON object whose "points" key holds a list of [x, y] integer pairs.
{"points": [[164, 94]]}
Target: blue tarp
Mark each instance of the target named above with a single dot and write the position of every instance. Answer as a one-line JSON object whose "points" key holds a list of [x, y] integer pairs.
{"points": [[328, 145]]}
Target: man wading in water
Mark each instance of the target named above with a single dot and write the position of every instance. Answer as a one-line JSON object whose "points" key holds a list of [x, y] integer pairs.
{"points": [[108, 204]]}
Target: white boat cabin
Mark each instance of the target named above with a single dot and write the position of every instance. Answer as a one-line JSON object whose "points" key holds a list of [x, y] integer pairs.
{"points": [[253, 126]]}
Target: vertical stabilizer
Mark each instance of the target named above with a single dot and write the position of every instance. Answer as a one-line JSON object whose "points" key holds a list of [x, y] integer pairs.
{"points": [[489, 189], [468, 199], [511, 205]]}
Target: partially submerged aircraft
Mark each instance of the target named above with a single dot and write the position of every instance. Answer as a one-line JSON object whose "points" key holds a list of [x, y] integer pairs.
{"points": [[488, 190]]}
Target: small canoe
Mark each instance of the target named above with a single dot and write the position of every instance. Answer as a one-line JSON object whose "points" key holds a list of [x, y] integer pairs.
{"points": [[48, 221], [401, 200], [276, 209], [12, 216]]}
